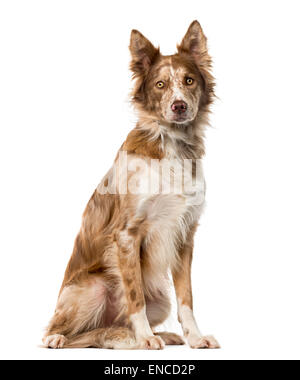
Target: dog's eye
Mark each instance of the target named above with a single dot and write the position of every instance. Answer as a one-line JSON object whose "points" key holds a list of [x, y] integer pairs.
{"points": [[160, 84], [189, 81]]}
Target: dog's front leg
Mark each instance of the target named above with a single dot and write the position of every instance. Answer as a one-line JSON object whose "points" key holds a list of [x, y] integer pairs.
{"points": [[183, 288], [130, 268]]}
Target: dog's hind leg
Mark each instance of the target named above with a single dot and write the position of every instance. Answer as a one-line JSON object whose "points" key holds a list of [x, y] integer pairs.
{"points": [[85, 317], [120, 338], [170, 339], [114, 337], [81, 308]]}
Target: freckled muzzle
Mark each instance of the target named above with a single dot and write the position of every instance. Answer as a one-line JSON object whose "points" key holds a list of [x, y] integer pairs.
{"points": [[179, 112]]}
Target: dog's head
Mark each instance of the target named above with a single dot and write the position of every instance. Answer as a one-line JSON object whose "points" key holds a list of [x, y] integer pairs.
{"points": [[176, 88]]}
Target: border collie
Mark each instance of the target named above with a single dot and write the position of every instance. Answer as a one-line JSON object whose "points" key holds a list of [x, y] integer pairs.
{"points": [[139, 225]]}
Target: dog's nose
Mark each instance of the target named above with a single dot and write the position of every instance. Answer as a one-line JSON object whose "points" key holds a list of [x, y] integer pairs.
{"points": [[179, 106]]}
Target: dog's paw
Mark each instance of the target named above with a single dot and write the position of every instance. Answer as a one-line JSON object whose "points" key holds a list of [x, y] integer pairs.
{"points": [[152, 343], [195, 341], [54, 341]]}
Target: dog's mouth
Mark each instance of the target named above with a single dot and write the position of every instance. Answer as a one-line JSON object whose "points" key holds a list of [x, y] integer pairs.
{"points": [[180, 119]]}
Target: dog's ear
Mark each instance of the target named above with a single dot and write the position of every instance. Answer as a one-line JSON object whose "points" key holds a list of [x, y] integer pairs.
{"points": [[194, 43], [143, 53]]}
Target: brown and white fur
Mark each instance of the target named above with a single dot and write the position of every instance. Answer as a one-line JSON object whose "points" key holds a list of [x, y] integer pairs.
{"points": [[115, 289]]}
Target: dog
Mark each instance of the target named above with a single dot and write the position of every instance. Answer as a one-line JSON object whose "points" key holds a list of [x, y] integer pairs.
{"points": [[136, 232]]}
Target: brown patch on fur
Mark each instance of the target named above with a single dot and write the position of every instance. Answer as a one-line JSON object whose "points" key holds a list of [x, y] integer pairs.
{"points": [[139, 142], [133, 295]]}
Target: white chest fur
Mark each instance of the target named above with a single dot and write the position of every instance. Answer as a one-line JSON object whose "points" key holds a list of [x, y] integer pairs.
{"points": [[171, 198]]}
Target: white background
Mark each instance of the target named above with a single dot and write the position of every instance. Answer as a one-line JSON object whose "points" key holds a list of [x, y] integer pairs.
{"points": [[64, 112]]}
